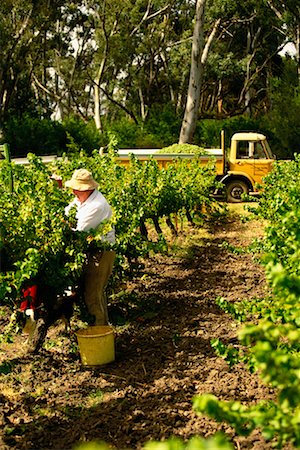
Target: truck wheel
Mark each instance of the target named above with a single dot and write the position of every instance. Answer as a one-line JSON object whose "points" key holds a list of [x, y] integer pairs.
{"points": [[234, 191]]}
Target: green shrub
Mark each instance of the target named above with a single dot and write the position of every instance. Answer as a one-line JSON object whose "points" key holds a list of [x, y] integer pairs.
{"points": [[283, 118], [125, 131], [164, 124], [208, 131], [161, 128], [83, 134], [32, 135]]}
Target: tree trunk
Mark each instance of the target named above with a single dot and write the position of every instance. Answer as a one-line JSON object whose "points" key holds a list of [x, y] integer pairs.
{"points": [[192, 105], [251, 48], [142, 103], [97, 115], [298, 49], [156, 225], [171, 226], [97, 100], [143, 229]]}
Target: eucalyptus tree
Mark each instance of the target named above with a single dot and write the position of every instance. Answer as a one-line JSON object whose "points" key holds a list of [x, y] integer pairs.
{"points": [[16, 38], [196, 74], [68, 49], [105, 58], [46, 48], [231, 76], [258, 28], [288, 12], [132, 64], [25, 29]]}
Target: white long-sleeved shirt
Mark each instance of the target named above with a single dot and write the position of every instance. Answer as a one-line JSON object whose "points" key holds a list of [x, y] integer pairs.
{"points": [[94, 210]]}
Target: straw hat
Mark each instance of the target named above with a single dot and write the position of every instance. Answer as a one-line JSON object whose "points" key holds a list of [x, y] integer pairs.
{"points": [[82, 180]]}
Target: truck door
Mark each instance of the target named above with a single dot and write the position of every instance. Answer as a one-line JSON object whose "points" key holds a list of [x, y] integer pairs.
{"points": [[244, 162], [262, 161], [252, 158]]}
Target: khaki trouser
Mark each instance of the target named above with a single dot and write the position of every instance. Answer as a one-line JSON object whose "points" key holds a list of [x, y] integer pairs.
{"points": [[97, 273]]}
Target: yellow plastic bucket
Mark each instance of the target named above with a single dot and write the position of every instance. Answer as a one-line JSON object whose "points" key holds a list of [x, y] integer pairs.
{"points": [[96, 345]]}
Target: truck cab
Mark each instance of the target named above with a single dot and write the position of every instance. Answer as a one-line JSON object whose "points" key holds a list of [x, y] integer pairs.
{"points": [[249, 160]]}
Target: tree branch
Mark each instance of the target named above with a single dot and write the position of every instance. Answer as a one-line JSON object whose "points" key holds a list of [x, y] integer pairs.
{"points": [[43, 88], [120, 105], [146, 16], [209, 41]]}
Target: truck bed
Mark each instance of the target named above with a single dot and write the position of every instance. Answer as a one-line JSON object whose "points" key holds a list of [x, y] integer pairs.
{"points": [[164, 159]]}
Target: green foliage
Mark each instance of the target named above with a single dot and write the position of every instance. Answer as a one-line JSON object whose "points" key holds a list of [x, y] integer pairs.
{"points": [[164, 124], [209, 130], [283, 117], [38, 239], [33, 135], [93, 445], [139, 57], [216, 442], [83, 134], [49, 137], [279, 205], [132, 135], [161, 128], [231, 354], [245, 419], [126, 131], [271, 334], [6, 368], [208, 133]]}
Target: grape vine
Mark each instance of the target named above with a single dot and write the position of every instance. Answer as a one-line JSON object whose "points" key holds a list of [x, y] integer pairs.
{"points": [[37, 243], [271, 332]]}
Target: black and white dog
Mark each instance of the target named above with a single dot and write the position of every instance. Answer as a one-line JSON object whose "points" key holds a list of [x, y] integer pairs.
{"points": [[44, 311]]}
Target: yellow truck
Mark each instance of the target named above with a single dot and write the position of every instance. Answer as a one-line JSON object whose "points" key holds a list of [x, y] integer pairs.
{"points": [[246, 163]]}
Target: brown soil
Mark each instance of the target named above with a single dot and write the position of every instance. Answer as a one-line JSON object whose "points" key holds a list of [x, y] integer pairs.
{"points": [[163, 356]]}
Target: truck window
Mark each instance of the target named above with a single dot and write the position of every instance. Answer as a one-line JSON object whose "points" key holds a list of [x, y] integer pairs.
{"points": [[259, 152], [242, 150]]}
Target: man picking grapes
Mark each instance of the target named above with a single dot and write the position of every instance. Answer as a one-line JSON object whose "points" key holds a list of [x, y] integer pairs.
{"points": [[92, 209]]}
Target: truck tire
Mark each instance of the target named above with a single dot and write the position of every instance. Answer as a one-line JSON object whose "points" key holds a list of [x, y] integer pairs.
{"points": [[234, 191]]}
